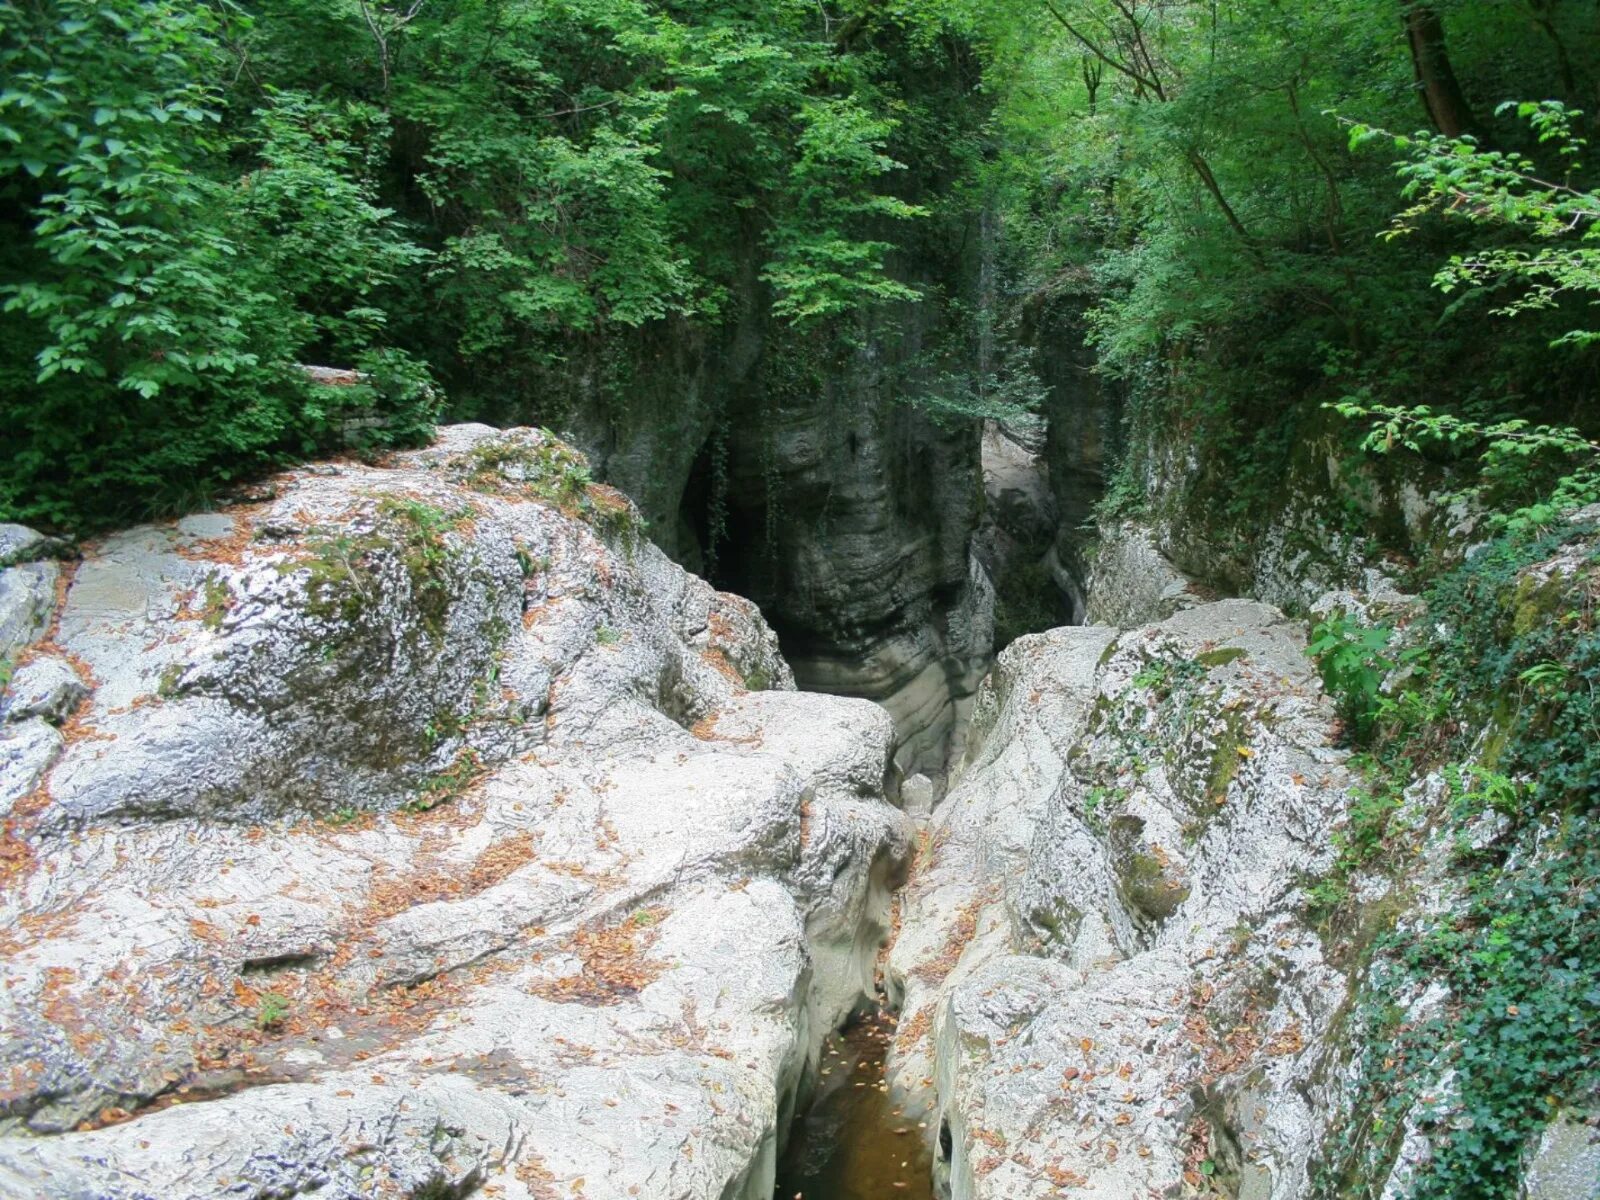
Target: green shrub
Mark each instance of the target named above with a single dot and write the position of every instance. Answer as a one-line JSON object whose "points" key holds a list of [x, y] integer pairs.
{"points": [[271, 1011], [159, 280], [1352, 661]]}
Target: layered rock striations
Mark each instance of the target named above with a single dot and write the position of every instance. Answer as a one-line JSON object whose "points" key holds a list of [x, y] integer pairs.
{"points": [[827, 472], [418, 830], [850, 520]]}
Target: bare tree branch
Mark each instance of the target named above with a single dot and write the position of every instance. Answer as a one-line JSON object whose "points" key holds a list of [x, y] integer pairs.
{"points": [[1100, 52], [383, 25]]}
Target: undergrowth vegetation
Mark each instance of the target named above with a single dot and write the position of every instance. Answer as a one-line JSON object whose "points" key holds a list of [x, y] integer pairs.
{"points": [[1479, 732], [160, 276]]}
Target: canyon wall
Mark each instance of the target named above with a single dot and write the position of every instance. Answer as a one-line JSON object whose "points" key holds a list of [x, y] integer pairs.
{"points": [[818, 473]]}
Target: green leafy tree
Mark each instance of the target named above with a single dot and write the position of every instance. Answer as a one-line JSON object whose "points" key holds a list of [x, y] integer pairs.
{"points": [[150, 323], [1173, 175], [1556, 222], [517, 192], [1527, 474]]}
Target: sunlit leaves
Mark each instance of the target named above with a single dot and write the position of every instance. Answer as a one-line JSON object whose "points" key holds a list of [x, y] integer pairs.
{"points": [[160, 280]]}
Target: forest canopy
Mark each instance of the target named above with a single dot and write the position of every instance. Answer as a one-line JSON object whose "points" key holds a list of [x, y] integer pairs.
{"points": [[465, 201], [1208, 184], [194, 198]]}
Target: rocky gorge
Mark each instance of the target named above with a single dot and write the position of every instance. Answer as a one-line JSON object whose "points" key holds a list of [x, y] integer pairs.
{"points": [[419, 828], [812, 601]]}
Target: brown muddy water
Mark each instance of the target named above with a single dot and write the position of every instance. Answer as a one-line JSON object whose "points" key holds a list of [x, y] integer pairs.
{"points": [[854, 1143]]}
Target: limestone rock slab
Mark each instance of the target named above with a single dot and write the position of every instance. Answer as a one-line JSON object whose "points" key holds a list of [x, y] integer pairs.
{"points": [[1106, 976], [425, 831]]}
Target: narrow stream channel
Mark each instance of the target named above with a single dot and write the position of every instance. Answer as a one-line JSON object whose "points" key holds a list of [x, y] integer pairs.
{"points": [[853, 1143]]}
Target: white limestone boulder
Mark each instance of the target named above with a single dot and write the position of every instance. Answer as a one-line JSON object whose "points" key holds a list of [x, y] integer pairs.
{"points": [[1109, 988], [426, 831]]}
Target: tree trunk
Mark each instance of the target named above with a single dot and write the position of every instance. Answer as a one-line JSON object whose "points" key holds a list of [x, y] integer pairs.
{"points": [[1436, 80], [1203, 169]]}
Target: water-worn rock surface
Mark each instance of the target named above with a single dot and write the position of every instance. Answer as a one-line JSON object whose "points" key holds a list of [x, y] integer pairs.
{"points": [[1322, 519], [1109, 987], [1130, 581], [850, 515], [418, 830]]}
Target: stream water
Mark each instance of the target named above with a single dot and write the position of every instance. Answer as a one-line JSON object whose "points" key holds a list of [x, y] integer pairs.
{"points": [[853, 1143]]}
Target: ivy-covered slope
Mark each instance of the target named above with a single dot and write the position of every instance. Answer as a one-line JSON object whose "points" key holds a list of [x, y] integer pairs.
{"points": [[1466, 887]]}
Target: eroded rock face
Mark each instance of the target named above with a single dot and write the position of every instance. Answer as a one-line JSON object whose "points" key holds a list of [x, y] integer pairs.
{"points": [[1129, 581], [1328, 516], [38, 689], [852, 514], [423, 829], [1016, 538], [1019, 517], [28, 575], [1083, 417], [1110, 989], [815, 473]]}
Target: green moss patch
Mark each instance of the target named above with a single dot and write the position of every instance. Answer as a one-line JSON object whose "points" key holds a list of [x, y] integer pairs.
{"points": [[550, 471], [343, 569]]}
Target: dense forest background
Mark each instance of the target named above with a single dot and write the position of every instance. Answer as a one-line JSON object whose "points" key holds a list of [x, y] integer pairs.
{"points": [[508, 208], [470, 202]]}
